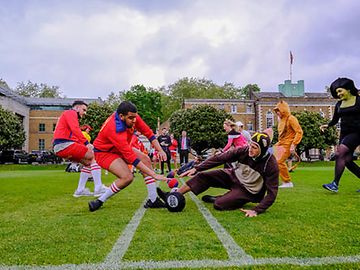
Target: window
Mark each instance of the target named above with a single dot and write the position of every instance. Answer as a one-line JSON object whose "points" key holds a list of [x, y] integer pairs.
{"points": [[41, 144], [54, 126], [249, 108], [322, 114], [221, 106], [269, 119], [249, 126], [233, 108], [41, 127]]}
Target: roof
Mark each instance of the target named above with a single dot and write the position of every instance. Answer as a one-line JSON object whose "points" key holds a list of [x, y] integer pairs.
{"points": [[280, 95], [31, 101]]}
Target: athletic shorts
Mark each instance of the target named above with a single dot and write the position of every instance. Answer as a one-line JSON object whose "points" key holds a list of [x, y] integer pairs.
{"points": [[75, 152], [351, 140], [173, 154], [104, 159]]}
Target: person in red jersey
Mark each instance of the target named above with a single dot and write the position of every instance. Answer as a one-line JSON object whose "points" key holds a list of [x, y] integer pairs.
{"points": [[113, 152], [70, 143]]}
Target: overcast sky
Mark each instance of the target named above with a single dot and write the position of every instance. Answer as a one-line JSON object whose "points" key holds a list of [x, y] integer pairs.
{"points": [[89, 48]]}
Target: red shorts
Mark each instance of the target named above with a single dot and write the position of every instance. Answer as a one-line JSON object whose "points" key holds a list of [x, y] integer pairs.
{"points": [[75, 152], [104, 159], [173, 154]]}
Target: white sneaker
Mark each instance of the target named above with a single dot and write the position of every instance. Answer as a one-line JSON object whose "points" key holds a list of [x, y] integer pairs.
{"points": [[286, 185], [84, 192], [100, 191]]}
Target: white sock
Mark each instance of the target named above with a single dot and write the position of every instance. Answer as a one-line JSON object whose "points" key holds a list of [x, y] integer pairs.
{"points": [[84, 175], [109, 192], [96, 174], [151, 187]]}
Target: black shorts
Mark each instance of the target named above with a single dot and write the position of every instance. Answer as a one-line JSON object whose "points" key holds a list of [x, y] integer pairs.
{"points": [[351, 140]]}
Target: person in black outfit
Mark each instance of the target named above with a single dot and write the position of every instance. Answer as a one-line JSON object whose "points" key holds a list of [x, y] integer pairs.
{"points": [[184, 146], [165, 141], [347, 109]]}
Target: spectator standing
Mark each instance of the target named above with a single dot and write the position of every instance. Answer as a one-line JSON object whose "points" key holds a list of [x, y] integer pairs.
{"points": [[165, 142], [173, 150], [184, 146]]}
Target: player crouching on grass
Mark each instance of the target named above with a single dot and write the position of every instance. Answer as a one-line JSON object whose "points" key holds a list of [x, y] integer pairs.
{"points": [[254, 179], [113, 152], [70, 143]]}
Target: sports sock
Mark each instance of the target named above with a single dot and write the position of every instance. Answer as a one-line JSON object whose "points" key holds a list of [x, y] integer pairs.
{"points": [[151, 187], [96, 174], [84, 175], [109, 192]]}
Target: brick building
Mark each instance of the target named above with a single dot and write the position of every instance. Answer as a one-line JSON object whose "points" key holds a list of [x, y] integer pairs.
{"points": [[38, 115], [256, 113]]}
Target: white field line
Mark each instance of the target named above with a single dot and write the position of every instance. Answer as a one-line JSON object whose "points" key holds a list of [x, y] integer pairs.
{"points": [[232, 248]]}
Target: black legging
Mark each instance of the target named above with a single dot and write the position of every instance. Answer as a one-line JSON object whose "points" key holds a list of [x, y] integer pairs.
{"points": [[343, 158], [168, 159]]}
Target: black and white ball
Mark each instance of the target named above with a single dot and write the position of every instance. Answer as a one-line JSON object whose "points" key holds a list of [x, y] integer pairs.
{"points": [[175, 202]]}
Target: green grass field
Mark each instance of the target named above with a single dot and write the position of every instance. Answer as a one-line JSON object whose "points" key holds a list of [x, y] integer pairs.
{"points": [[42, 224]]}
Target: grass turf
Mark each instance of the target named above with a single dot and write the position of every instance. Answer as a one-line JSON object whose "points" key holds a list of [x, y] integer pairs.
{"points": [[42, 224]]}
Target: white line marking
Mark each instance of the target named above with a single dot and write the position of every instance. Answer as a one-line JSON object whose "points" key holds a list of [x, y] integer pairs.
{"points": [[231, 247]]}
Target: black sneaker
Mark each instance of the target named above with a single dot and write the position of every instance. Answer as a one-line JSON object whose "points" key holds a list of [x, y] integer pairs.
{"points": [[156, 204], [95, 205], [209, 198], [162, 194]]}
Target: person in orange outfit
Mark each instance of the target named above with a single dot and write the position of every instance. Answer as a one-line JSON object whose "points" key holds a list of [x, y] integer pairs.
{"points": [[290, 135]]}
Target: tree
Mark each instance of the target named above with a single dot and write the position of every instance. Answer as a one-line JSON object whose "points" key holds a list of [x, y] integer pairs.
{"points": [[187, 88], [204, 125], [313, 137], [12, 134], [96, 115], [148, 103], [3, 84], [31, 89], [245, 91]]}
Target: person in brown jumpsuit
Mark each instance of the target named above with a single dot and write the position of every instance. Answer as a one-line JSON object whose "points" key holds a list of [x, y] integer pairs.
{"points": [[254, 179]]}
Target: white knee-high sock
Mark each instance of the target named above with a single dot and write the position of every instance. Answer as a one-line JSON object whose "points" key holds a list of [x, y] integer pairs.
{"points": [[151, 187], [109, 192], [96, 174], [84, 175]]}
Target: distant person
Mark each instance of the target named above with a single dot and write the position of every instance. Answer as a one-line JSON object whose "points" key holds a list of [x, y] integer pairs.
{"points": [[70, 143], [235, 138], [173, 150], [165, 142], [113, 152], [347, 111], [255, 179], [290, 135], [244, 132], [184, 146]]}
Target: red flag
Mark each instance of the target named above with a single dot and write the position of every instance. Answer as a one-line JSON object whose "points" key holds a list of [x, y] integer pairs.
{"points": [[291, 58]]}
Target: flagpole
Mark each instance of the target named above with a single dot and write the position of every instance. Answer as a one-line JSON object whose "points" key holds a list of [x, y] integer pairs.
{"points": [[291, 62]]}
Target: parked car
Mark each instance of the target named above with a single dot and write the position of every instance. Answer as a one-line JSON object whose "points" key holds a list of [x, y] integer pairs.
{"points": [[13, 156], [43, 156]]}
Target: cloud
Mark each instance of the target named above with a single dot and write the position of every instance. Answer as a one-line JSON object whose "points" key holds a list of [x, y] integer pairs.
{"points": [[89, 48]]}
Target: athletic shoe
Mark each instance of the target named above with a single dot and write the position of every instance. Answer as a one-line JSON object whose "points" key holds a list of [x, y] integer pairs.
{"points": [[162, 194], [209, 198], [84, 192], [95, 205], [100, 191], [286, 185], [333, 187], [156, 204]]}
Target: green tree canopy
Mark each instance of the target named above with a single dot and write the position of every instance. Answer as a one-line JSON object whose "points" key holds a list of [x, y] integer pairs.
{"points": [[313, 137], [42, 90], [203, 124], [96, 116], [148, 103], [12, 134]]}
